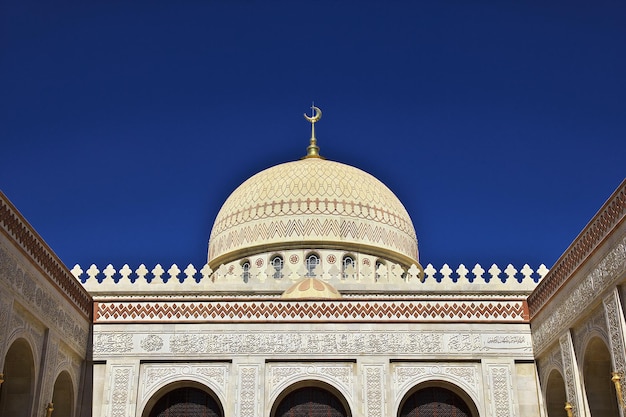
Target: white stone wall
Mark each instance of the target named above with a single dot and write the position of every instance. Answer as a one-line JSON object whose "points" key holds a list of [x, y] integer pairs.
{"points": [[35, 310], [373, 366]]}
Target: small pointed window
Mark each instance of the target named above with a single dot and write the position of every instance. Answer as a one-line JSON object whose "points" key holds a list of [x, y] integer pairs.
{"points": [[348, 267], [245, 275], [312, 261], [277, 263], [379, 264]]}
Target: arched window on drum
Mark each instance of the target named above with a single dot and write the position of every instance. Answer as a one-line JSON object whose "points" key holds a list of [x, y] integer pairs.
{"points": [[312, 261], [278, 264], [245, 267], [348, 267]]}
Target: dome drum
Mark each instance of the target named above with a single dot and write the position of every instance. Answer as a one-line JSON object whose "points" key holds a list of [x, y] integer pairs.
{"points": [[275, 269]]}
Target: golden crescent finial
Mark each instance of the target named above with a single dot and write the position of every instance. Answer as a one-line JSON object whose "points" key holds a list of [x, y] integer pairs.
{"points": [[313, 151], [317, 115]]}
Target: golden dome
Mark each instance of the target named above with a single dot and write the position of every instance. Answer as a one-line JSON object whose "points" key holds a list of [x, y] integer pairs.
{"points": [[311, 288], [312, 203]]}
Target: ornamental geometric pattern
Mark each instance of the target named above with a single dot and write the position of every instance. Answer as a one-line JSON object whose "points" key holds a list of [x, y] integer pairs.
{"points": [[312, 199], [14, 226], [323, 310], [562, 313], [335, 229], [613, 211]]}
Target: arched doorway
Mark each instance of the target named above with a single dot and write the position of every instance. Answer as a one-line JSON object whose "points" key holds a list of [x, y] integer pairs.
{"points": [[597, 376], [310, 400], [555, 395], [436, 401], [186, 402], [16, 393], [63, 396]]}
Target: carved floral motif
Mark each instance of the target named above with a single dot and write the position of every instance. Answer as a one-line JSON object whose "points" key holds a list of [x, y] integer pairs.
{"points": [[152, 343], [113, 342], [374, 393], [248, 380], [608, 270], [121, 391], [500, 383]]}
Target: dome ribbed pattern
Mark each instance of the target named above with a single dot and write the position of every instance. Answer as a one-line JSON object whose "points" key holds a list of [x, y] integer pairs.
{"points": [[312, 200]]}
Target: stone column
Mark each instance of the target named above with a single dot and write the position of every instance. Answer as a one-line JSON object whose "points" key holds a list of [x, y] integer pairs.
{"points": [[48, 363], [617, 329], [573, 387]]}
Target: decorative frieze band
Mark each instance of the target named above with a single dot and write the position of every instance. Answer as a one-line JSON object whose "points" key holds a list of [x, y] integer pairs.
{"points": [[311, 311], [586, 292], [16, 228], [610, 215], [48, 307], [195, 342]]}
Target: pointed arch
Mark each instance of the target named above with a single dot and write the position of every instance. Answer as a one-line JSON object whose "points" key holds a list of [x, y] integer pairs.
{"points": [[310, 397], [556, 395], [184, 398], [597, 369], [63, 395], [17, 390], [435, 398]]}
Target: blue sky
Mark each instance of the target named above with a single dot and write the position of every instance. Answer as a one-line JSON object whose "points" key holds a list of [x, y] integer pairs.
{"points": [[125, 125]]}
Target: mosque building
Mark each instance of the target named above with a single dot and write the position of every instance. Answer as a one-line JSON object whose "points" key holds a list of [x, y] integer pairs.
{"points": [[313, 302]]}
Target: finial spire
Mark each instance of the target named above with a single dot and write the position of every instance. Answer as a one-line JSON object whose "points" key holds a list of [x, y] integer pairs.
{"points": [[313, 151]]}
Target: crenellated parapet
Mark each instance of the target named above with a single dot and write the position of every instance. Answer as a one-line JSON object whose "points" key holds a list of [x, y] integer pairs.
{"points": [[233, 278]]}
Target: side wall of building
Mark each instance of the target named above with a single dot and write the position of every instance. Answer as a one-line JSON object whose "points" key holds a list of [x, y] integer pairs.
{"points": [[45, 326], [577, 319]]}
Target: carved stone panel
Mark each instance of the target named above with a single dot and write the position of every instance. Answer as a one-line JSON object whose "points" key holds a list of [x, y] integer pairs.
{"points": [[408, 375], [281, 376], [501, 388], [199, 342], [562, 314], [374, 390], [248, 391], [121, 384], [155, 376]]}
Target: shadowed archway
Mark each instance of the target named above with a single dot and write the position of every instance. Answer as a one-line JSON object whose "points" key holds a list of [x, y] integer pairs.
{"points": [[16, 393], [597, 376], [556, 395], [436, 401], [63, 396], [186, 402], [310, 399]]}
